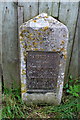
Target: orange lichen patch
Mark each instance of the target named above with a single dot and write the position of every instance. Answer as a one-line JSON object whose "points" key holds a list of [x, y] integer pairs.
{"points": [[34, 38], [34, 20], [39, 17], [62, 42], [36, 30], [65, 56], [23, 31], [27, 31], [21, 38], [40, 38], [30, 46], [23, 72], [23, 91], [65, 51], [24, 46], [62, 49], [41, 49], [31, 34], [41, 42], [23, 85], [58, 48], [39, 33], [45, 28], [24, 53], [46, 16], [21, 34], [54, 50], [36, 49], [35, 44], [31, 38]]}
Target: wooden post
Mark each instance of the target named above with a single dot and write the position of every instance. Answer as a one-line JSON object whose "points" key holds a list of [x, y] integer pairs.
{"points": [[0, 59], [30, 8], [10, 58], [45, 7], [79, 42], [68, 13], [74, 56]]}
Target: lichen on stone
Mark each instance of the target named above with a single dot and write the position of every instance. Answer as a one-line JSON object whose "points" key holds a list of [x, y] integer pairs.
{"points": [[43, 33]]}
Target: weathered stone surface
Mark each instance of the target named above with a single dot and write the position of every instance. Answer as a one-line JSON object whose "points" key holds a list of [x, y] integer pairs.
{"points": [[43, 53]]}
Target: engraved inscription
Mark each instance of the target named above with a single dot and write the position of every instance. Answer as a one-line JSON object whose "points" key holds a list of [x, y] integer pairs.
{"points": [[42, 70]]}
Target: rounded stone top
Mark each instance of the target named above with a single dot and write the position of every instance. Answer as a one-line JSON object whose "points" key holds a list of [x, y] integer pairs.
{"points": [[43, 20]]}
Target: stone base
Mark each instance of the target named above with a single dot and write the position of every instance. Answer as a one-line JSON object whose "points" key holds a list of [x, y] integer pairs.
{"points": [[39, 98]]}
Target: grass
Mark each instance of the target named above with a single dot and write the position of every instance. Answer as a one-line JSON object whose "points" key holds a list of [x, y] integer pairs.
{"points": [[14, 107]]}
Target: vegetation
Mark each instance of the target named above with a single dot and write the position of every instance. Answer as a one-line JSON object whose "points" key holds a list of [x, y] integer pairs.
{"points": [[14, 107]]}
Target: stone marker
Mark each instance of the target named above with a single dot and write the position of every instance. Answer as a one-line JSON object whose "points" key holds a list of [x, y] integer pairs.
{"points": [[43, 53]]}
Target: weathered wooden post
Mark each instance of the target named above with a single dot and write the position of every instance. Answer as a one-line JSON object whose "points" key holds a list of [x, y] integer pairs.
{"points": [[43, 53], [0, 60]]}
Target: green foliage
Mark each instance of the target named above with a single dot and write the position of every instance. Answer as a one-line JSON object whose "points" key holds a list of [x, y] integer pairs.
{"points": [[64, 110], [14, 107], [12, 104], [74, 90], [73, 87]]}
